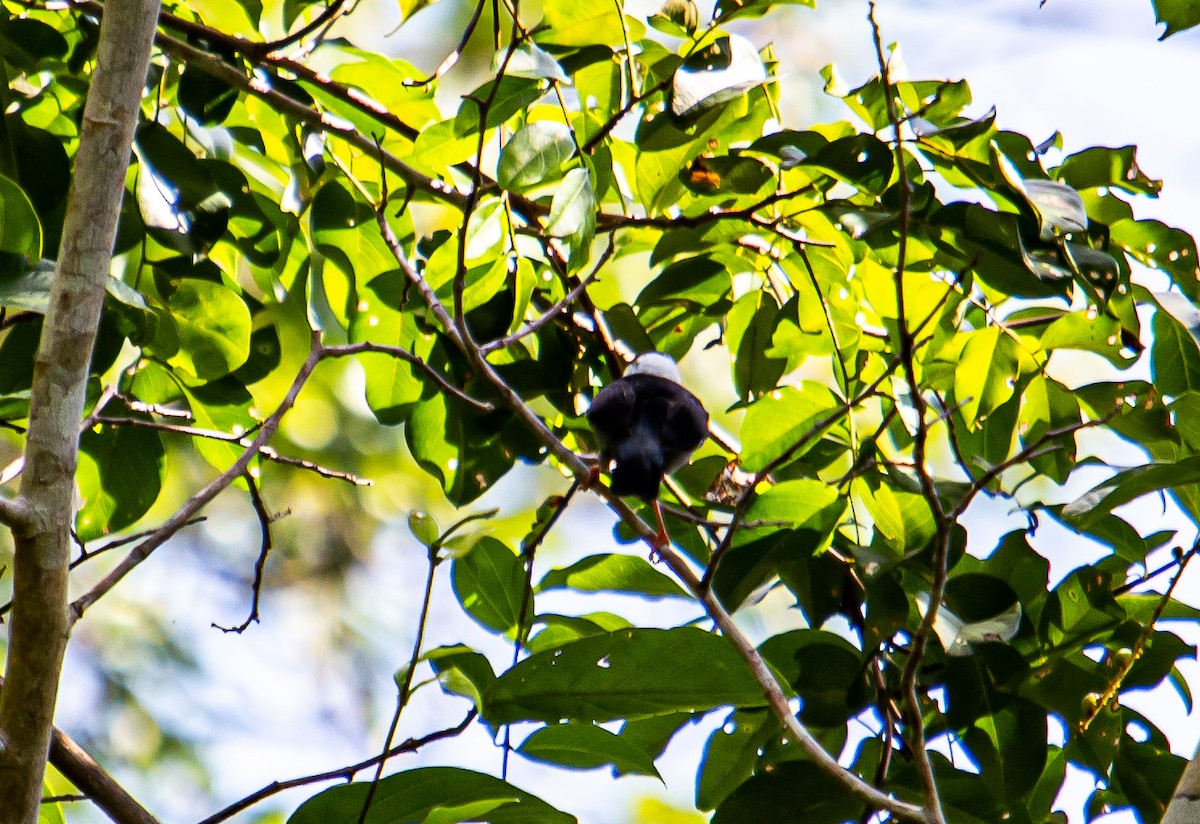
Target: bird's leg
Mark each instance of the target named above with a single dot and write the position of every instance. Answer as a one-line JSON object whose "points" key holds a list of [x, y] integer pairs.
{"points": [[660, 541], [593, 476]]}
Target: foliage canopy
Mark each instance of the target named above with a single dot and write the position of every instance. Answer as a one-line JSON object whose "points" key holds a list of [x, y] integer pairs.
{"points": [[901, 298]]}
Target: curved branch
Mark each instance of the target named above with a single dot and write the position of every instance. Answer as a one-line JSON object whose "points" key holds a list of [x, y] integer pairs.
{"points": [[17, 515]]}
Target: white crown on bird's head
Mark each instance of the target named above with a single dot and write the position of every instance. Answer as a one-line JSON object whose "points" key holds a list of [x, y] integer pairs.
{"points": [[657, 364]]}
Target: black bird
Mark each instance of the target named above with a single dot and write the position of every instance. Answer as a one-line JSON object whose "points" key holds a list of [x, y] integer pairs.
{"points": [[648, 425]]}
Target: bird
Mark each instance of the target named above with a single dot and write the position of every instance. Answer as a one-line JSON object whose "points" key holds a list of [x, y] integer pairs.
{"points": [[648, 424]]}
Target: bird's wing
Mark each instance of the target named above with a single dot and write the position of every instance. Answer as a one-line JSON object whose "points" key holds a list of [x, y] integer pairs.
{"points": [[612, 410], [686, 425]]}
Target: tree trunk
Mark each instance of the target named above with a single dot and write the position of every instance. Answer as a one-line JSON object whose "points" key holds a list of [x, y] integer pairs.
{"points": [[38, 626]]}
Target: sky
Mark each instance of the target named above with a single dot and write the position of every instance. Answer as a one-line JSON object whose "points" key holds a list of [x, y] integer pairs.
{"points": [[268, 708]]}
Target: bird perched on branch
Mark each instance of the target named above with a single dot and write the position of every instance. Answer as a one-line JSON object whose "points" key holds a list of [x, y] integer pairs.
{"points": [[648, 425]]}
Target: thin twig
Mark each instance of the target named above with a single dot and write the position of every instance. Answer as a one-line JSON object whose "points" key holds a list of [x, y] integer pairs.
{"points": [[408, 357], [452, 58], [264, 525], [342, 773], [68, 798], [529, 548], [553, 312], [406, 684], [331, 12], [1031, 451], [292, 108], [1114, 685], [268, 452], [85, 556]]}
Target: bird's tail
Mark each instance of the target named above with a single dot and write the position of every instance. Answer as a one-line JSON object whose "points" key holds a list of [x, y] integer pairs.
{"points": [[638, 463]]}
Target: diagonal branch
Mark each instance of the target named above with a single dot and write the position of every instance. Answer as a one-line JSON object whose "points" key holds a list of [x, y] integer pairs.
{"points": [[97, 785], [340, 774], [554, 311], [201, 499]]}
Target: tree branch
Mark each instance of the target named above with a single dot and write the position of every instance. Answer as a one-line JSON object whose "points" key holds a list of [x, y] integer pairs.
{"points": [[941, 539], [201, 499], [39, 624], [553, 312], [342, 773], [91, 779], [408, 357], [289, 107], [17, 515]]}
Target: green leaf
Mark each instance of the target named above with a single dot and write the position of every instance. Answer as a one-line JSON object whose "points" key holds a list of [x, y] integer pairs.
{"points": [[573, 214], [412, 795], [616, 573], [563, 629], [802, 503], [1175, 355], [461, 671], [1178, 15], [489, 581], [410, 7], [731, 755], [1114, 168], [534, 155], [720, 71], [749, 333], [423, 527], [211, 327], [790, 791], [1160, 246], [471, 811], [1010, 745], [393, 386], [27, 289], [781, 419], [50, 813], [986, 373], [1128, 485], [587, 22], [528, 60], [726, 9], [861, 160], [585, 746], [120, 475], [461, 447], [629, 673], [20, 229], [825, 670]]}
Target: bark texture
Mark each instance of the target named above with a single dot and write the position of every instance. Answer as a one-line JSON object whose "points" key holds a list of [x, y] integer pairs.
{"points": [[38, 626]]}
